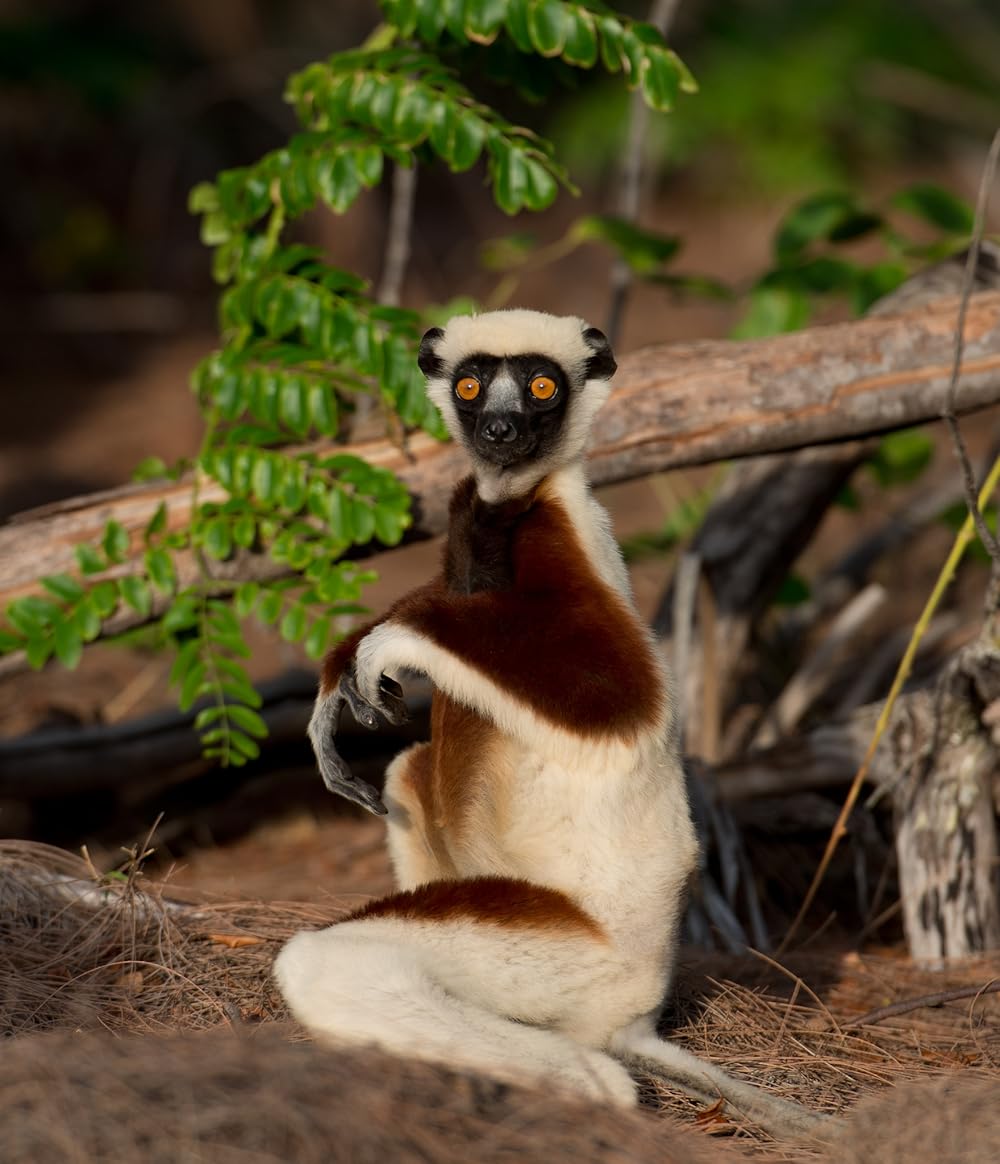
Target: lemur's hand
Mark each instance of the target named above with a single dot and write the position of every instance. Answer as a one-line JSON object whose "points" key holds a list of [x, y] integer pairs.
{"points": [[386, 704]]}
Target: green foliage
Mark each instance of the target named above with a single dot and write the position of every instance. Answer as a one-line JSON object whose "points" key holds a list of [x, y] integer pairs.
{"points": [[901, 457], [813, 261], [302, 339]]}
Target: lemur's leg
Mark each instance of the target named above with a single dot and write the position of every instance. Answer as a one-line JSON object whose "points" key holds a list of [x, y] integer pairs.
{"points": [[414, 845], [639, 1047], [479, 974]]}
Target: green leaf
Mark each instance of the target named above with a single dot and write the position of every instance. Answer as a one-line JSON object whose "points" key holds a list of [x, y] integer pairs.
{"points": [[245, 530], [87, 621], [90, 560], [937, 206], [295, 404], [9, 642], [773, 310], [248, 720], [793, 591], [160, 567], [612, 43], [516, 21], [150, 469], [510, 179], [644, 251], [581, 44], [322, 408], [317, 638], [466, 142], [38, 651], [338, 516], [483, 20], [115, 542], [873, 284], [660, 81], [550, 26], [157, 523], [293, 625], [269, 607], [104, 596], [337, 178], [541, 185], [203, 199], [136, 594], [218, 539], [63, 586], [362, 520], [902, 456], [68, 644], [245, 598], [191, 684], [209, 715], [245, 747], [266, 478], [812, 220]]}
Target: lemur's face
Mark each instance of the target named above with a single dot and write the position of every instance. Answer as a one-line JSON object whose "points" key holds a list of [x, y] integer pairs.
{"points": [[519, 389], [511, 408]]}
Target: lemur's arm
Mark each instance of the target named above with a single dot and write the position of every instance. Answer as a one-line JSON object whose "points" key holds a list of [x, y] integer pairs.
{"points": [[558, 646]]}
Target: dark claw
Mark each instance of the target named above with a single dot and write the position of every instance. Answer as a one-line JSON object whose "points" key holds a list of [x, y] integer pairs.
{"points": [[393, 707]]}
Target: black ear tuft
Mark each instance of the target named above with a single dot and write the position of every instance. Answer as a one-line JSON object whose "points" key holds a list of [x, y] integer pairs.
{"points": [[602, 364], [429, 361]]}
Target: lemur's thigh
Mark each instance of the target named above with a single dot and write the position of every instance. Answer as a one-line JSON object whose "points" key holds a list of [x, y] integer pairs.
{"points": [[488, 973], [417, 857]]}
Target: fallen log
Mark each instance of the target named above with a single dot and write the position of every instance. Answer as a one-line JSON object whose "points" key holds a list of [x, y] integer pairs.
{"points": [[675, 405]]}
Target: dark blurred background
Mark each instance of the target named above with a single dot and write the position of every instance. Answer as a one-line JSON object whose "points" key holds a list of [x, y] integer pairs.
{"points": [[111, 111]]}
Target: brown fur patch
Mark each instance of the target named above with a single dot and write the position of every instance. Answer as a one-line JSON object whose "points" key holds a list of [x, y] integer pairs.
{"points": [[418, 778], [461, 740], [498, 901], [561, 640]]}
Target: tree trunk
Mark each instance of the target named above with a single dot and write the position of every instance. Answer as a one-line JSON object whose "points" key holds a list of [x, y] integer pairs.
{"points": [[946, 838]]}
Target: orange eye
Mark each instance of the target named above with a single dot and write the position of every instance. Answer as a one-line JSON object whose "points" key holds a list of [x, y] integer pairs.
{"points": [[467, 388], [543, 388]]}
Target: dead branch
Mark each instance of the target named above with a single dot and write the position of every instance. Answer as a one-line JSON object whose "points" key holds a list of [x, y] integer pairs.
{"points": [[911, 1004], [675, 405]]}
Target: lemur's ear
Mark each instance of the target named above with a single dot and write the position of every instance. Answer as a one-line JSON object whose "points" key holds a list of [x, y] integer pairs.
{"points": [[602, 364], [429, 361]]}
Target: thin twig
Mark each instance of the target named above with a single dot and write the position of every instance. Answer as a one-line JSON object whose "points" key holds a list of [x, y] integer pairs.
{"points": [[661, 16], [799, 982], [986, 535], [685, 592], [711, 699], [910, 1004], [397, 241]]}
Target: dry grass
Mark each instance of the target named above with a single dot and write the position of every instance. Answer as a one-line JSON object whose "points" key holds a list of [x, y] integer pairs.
{"points": [[79, 953]]}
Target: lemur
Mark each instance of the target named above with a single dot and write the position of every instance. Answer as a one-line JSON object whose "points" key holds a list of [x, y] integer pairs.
{"points": [[541, 840]]}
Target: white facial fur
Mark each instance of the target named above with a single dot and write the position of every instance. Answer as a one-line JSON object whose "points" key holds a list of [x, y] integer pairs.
{"points": [[519, 332]]}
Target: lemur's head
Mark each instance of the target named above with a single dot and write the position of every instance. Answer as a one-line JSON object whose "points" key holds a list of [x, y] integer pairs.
{"points": [[519, 389]]}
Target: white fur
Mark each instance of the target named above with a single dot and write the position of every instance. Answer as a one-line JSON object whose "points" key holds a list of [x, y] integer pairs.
{"points": [[516, 332]]}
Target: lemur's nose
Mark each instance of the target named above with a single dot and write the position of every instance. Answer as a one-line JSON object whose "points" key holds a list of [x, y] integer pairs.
{"points": [[499, 430]]}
